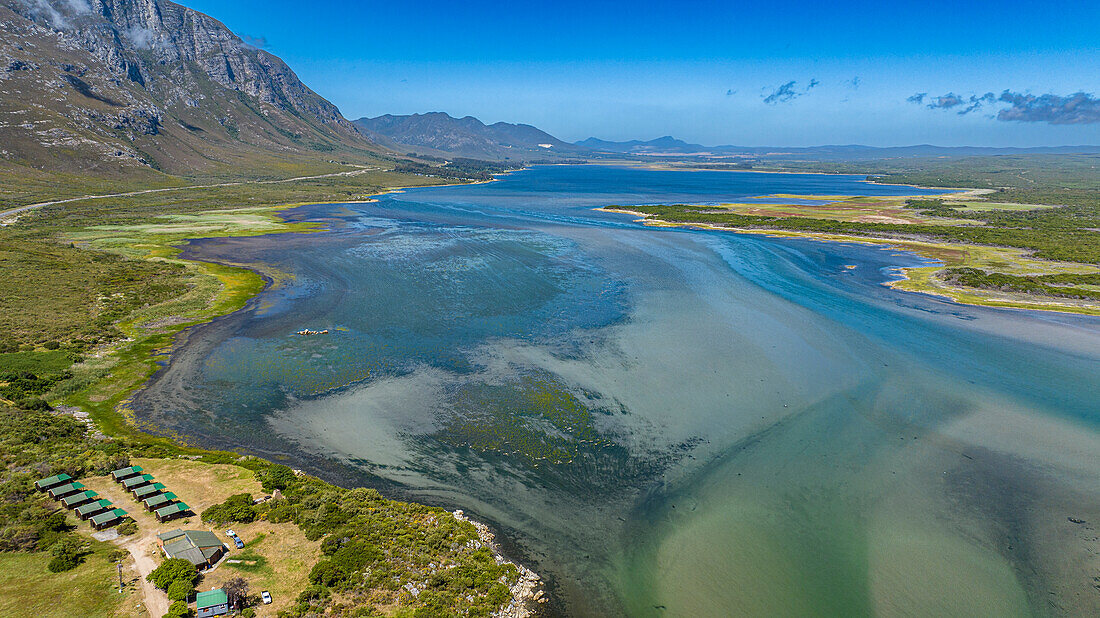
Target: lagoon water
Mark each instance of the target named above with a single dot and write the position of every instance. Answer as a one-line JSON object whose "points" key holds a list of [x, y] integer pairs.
{"points": [[666, 422]]}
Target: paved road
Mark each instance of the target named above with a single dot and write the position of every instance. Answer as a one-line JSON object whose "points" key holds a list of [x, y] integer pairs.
{"points": [[15, 211]]}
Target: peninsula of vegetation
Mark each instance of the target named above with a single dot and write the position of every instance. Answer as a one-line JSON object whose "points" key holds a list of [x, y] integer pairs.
{"points": [[1025, 237]]}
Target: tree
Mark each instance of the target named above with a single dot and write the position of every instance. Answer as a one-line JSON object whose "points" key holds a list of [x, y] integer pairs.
{"points": [[179, 609], [67, 552], [275, 477], [236, 590], [237, 508], [171, 570], [180, 590]]}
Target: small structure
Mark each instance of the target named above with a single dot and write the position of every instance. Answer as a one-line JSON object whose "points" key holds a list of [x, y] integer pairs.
{"points": [[107, 519], [137, 481], [93, 508], [67, 489], [78, 499], [199, 547], [124, 473], [52, 481], [212, 603], [146, 491], [172, 511], [157, 501]]}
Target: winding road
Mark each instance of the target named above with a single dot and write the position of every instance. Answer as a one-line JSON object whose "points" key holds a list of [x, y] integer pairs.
{"points": [[15, 211]]}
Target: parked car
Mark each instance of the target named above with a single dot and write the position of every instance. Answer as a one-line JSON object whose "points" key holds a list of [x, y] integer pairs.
{"points": [[230, 533], [238, 542], [266, 597]]}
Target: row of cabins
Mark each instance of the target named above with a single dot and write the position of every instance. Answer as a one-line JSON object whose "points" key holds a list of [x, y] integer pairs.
{"points": [[101, 513], [86, 503], [164, 505]]}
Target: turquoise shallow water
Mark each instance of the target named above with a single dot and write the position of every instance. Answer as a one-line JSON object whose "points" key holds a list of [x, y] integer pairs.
{"points": [[667, 422]]}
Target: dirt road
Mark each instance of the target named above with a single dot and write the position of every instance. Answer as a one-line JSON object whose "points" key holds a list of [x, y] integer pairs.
{"points": [[15, 211]]}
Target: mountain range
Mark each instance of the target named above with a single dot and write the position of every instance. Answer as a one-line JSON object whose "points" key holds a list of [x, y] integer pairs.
{"points": [[439, 134], [119, 87], [670, 146], [124, 84]]}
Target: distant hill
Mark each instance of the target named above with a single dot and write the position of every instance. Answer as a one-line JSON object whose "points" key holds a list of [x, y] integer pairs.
{"points": [[661, 145], [440, 134], [670, 146], [150, 83]]}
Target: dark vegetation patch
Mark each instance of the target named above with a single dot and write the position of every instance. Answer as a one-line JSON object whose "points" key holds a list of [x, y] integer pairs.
{"points": [[1042, 285], [85, 89], [457, 169]]}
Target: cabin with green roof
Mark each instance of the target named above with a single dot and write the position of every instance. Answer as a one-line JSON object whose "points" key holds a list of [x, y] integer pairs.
{"points": [[93, 508], [145, 491], [201, 548], [108, 518], [124, 473], [153, 503], [77, 499], [67, 489], [52, 481], [212, 603], [172, 511], [138, 481]]}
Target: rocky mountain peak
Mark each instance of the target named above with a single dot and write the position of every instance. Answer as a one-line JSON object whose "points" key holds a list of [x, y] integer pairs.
{"points": [[131, 68]]}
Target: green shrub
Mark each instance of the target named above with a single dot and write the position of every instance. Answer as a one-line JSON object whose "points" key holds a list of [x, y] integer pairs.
{"points": [[238, 508], [313, 593], [180, 590], [171, 570], [68, 552], [275, 476], [128, 528], [179, 609]]}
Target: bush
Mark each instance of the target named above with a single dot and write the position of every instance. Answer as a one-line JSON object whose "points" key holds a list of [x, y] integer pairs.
{"points": [[117, 555], [171, 570], [179, 609], [313, 593], [32, 403], [128, 527], [180, 590], [238, 508], [248, 612], [68, 552], [327, 573], [58, 564], [275, 477]]}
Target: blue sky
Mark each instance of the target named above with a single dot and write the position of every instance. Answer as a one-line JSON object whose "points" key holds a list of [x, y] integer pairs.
{"points": [[704, 71]]}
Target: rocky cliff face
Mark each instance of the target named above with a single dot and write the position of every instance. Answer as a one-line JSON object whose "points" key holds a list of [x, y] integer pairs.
{"points": [[164, 84]]}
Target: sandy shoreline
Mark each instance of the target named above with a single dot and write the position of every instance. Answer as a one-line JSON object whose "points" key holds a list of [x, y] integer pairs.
{"points": [[925, 249]]}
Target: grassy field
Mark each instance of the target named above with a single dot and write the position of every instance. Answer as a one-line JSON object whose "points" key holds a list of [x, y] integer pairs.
{"points": [[91, 589]]}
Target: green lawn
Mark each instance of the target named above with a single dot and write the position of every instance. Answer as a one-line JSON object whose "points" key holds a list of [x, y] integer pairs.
{"points": [[91, 589]]}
